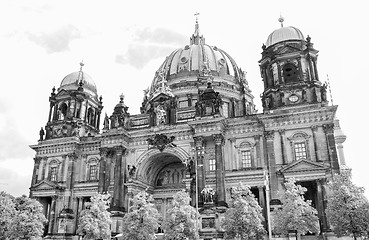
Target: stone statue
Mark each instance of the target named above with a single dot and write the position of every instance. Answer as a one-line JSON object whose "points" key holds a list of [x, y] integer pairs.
{"points": [[207, 194], [160, 115], [106, 122], [42, 133], [131, 171], [323, 91]]}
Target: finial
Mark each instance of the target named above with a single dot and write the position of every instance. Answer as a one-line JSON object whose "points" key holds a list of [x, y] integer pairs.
{"points": [[281, 19], [196, 15], [81, 64], [121, 97]]}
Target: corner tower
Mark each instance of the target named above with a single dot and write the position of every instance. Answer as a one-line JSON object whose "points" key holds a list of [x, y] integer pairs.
{"points": [[75, 109], [289, 70]]}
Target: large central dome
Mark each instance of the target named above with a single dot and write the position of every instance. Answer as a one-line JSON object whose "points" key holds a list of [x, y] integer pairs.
{"points": [[186, 70]]}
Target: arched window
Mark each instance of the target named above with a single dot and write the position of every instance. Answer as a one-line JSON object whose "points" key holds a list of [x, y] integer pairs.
{"points": [[299, 144], [90, 116], [53, 170], [62, 111], [290, 73], [246, 155], [92, 169]]}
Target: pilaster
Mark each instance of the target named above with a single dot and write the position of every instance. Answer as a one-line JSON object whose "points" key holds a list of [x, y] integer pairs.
{"points": [[219, 173], [331, 145], [269, 137]]}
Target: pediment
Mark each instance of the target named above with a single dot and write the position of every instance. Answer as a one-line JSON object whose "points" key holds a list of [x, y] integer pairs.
{"points": [[303, 166], [287, 49], [46, 184], [62, 93], [161, 97]]}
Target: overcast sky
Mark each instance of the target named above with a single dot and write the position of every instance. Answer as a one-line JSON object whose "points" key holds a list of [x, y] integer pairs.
{"points": [[123, 43]]}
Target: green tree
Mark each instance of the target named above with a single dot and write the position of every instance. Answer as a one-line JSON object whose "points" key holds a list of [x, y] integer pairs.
{"points": [[28, 221], [180, 222], [95, 220], [141, 222], [7, 212], [347, 208], [296, 214], [243, 220]]}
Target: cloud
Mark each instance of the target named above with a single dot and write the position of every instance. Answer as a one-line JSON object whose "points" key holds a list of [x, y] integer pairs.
{"points": [[13, 145], [139, 55], [149, 44], [160, 35], [57, 41]]}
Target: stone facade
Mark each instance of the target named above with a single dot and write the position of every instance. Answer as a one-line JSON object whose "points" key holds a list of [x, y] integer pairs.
{"points": [[198, 129]]}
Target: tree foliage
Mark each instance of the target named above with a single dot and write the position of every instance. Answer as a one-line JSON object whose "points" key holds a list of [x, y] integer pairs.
{"points": [[141, 222], [95, 220], [20, 218], [7, 211], [347, 208], [180, 222], [296, 214], [243, 220]]}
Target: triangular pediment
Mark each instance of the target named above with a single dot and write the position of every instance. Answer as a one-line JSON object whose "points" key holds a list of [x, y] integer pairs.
{"points": [[302, 166], [160, 97], [287, 49], [46, 184], [62, 93]]}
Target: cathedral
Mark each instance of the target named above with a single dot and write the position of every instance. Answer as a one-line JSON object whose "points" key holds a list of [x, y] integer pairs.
{"points": [[198, 130]]}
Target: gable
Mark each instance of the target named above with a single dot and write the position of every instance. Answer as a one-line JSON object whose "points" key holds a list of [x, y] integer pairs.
{"points": [[303, 165], [46, 185]]}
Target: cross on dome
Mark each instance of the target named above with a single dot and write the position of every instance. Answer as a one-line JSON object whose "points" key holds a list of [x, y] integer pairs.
{"points": [[281, 19]]}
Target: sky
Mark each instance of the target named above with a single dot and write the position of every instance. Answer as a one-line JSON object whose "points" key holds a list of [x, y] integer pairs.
{"points": [[123, 43]]}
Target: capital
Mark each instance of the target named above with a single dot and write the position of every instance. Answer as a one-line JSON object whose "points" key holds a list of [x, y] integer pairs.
{"points": [[103, 151], [218, 138], [269, 135], [119, 150], [328, 128]]}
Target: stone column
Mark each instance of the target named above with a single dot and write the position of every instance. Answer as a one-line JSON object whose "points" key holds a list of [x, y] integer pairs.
{"points": [[119, 175], [331, 145], [314, 129], [52, 104], [219, 172], [280, 79], [283, 146], [312, 76], [36, 166], [315, 69], [70, 178], [43, 168], [321, 206], [52, 215], [200, 151], [269, 137], [103, 155], [257, 152], [79, 209], [233, 154], [107, 170], [301, 73], [262, 202]]}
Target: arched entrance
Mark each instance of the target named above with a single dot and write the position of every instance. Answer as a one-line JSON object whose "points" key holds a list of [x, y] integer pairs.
{"points": [[164, 173]]}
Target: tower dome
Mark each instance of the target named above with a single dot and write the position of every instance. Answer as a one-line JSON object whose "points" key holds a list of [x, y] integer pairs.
{"points": [[283, 34], [75, 80], [188, 69]]}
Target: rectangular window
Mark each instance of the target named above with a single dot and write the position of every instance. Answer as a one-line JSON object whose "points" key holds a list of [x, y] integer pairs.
{"points": [[246, 159], [225, 109], [183, 104], [53, 174], [212, 164], [93, 173], [300, 151]]}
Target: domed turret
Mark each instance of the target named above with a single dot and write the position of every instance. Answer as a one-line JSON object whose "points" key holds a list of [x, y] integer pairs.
{"points": [[284, 34], [75, 109], [187, 70], [289, 70], [75, 80]]}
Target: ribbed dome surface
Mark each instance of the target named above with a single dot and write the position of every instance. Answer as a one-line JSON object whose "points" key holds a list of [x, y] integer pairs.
{"points": [[72, 80], [196, 59], [284, 34]]}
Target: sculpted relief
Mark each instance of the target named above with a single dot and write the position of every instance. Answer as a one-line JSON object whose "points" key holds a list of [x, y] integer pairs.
{"points": [[171, 176]]}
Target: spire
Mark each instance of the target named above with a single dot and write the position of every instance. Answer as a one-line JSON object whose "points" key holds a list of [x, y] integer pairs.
{"points": [[196, 38], [281, 19], [80, 74]]}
